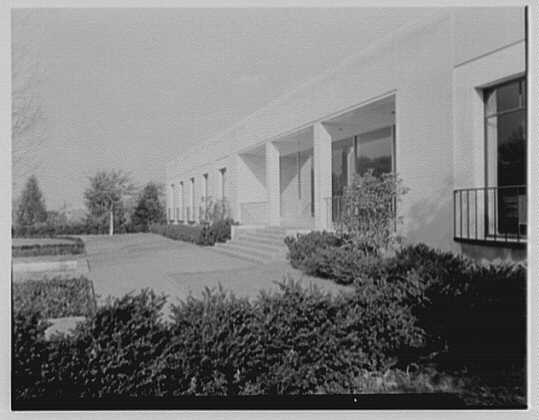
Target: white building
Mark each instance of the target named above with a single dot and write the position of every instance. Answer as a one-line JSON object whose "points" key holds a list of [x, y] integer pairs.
{"points": [[441, 101]]}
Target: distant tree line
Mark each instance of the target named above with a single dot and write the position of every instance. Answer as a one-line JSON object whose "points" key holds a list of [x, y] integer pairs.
{"points": [[113, 204]]}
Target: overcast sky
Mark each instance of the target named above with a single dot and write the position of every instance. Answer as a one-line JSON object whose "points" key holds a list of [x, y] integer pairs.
{"points": [[131, 88]]}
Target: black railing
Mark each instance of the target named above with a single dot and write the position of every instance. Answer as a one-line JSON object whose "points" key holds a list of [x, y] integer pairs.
{"points": [[490, 214]]}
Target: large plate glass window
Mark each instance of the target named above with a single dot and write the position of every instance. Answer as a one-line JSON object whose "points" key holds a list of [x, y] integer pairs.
{"points": [[505, 126]]}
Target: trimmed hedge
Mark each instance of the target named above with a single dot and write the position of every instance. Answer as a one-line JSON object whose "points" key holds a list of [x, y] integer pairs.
{"points": [[48, 230], [327, 255], [473, 314], [52, 230], [291, 342], [205, 235], [54, 298], [74, 246], [179, 232]]}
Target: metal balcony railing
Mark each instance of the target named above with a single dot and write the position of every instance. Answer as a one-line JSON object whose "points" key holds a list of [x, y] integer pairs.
{"points": [[490, 214]]}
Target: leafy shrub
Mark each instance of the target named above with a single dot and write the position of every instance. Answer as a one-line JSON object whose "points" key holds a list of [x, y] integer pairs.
{"points": [[473, 314], [28, 349], [214, 210], [485, 318], [72, 246], [122, 344], [344, 264], [303, 246], [332, 256], [219, 231], [205, 234], [295, 341], [55, 298], [47, 230], [369, 209], [185, 233]]}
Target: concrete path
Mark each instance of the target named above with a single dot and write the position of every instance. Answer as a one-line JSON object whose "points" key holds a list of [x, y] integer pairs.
{"points": [[126, 263]]}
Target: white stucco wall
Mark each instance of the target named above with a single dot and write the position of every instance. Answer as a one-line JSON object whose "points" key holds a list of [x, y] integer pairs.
{"points": [[434, 68]]}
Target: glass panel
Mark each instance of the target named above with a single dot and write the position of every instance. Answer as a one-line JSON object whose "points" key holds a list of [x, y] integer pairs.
{"points": [[508, 96], [511, 166], [506, 166], [339, 165], [374, 151], [512, 148]]}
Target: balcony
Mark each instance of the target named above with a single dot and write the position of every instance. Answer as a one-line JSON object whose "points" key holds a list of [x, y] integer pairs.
{"points": [[491, 215]]}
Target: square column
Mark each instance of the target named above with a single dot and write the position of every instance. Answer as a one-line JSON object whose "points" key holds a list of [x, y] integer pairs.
{"points": [[322, 177], [174, 204], [180, 201], [170, 204], [273, 187]]}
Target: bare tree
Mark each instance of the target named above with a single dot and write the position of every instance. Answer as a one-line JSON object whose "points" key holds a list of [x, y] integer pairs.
{"points": [[26, 111]]}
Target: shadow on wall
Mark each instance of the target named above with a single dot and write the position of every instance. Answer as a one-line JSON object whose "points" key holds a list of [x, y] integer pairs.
{"points": [[483, 252], [256, 164], [429, 218]]}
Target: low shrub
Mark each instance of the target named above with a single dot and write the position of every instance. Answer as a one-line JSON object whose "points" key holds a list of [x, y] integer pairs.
{"points": [[368, 212], [473, 314], [179, 232], [294, 341], [219, 231], [206, 234], [122, 344], [54, 298], [327, 255], [48, 230], [72, 246], [29, 354], [303, 246]]}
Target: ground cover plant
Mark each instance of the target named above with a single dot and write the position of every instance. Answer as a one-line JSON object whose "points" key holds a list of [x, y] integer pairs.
{"points": [[51, 230], [54, 298], [74, 246], [178, 232], [205, 234], [473, 314], [293, 342]]}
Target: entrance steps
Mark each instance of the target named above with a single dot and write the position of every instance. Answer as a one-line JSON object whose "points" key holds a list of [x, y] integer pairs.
{"points": [[257, 244]]}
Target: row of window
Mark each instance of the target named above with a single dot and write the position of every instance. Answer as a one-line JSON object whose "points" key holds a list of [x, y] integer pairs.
{"points": [[180, 210]]}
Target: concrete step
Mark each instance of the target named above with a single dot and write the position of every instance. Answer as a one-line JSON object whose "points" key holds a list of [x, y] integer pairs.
{"points": [[261, 239], [277, 229], [264, 234], [259, 244], [238, 253], [257, 252]]}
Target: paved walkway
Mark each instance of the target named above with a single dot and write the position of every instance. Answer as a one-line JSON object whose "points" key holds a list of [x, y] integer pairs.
{"points": [[126, 263]]}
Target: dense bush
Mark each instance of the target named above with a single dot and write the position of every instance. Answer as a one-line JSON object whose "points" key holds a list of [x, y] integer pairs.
{"points": [[327, 255], [303, 246], [368, 211], [206, 234], [472, 313], [29, 355], [179, 232], [71, 246], [46, 230], [294, 341], [54, 298], [219, 231]]}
